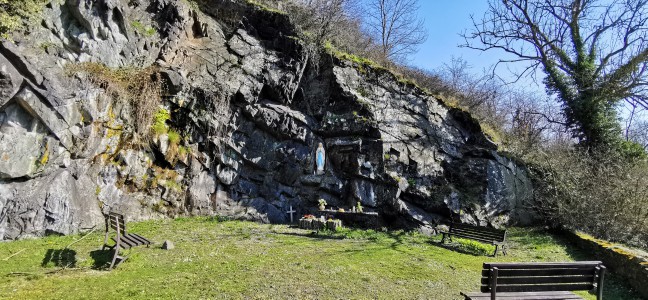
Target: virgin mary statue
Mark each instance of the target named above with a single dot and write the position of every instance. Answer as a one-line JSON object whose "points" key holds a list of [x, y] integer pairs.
{"points": [[320, 159]]}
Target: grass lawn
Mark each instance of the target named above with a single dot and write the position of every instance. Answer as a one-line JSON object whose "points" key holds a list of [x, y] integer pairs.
{"points": [[244, 260]]}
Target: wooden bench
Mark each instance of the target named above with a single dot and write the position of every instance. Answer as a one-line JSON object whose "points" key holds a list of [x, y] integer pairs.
{"points": [[486, 235], [122, 239], [553, 280]]}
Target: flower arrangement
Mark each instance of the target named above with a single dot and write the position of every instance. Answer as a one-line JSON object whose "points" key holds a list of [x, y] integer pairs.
{"points": [[322, 204], [309, 217]]}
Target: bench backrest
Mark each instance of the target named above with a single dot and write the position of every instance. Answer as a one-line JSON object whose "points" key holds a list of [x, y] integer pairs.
{"points": [[478, 232], [116, 222], [537, 277]]}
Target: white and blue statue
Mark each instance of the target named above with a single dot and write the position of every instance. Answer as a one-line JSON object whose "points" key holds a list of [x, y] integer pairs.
{"points": [[320, 159]]}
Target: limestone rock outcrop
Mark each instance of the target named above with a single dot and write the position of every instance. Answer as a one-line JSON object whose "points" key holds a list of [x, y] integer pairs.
{"points": [[248, 104]]}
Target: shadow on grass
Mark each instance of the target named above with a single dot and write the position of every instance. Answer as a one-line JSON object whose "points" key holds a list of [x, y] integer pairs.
{"points": [[101, 259], [394, 239], [61, 258], [313, 235]]}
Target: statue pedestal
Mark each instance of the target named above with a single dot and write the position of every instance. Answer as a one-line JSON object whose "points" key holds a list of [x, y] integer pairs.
{"points": [[318, 224]]}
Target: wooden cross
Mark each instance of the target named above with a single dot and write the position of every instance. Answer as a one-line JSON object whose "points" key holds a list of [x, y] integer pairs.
{"points": [[291, 211]]}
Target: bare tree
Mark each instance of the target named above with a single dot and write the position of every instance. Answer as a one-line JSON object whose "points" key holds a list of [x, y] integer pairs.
{"points": [[322, 18], [636, 126], [473, 90], [594, 54], [396, 24], [638, 133]]}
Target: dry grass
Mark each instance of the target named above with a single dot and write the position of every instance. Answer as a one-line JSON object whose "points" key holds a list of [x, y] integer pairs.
{"points": [[139, 87]]}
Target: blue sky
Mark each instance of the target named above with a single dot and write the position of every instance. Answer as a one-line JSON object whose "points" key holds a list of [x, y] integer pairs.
{"points": [[445, 20]]}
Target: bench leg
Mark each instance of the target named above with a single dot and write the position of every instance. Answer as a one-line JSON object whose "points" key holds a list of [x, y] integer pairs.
{"points": [[112, 264], [115, 257], [446, 235], [504, 249], [496, 249], [121, 260]]}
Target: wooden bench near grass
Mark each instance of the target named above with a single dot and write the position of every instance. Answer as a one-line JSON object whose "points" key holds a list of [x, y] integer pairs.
{"points": [[486, 235], [554, 280], [122, 239]]}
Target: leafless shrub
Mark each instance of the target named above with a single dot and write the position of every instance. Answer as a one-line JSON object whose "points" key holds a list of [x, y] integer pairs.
{"points": [[604, 195], [396, 26], [323, 19]]}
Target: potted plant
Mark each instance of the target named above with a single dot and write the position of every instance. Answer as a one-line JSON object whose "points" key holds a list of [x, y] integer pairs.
{"points": [[322, 204]]}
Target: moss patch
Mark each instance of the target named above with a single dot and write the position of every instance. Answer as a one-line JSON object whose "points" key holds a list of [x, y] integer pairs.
{"points": [[143, 30], [159, 126], [19, 15], [45, 157]]}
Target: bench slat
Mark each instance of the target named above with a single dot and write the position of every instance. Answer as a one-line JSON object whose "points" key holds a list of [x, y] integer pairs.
{"points": [[550, 265], [140, 240], [480, 231], [114, 220], [481, 228], [113, 224], [539, 272], [526, 296], [129, 240], [475, 237], [540, 280], [480, 239], [479, 236], [123, 243], [134, 240], [540, 287]]}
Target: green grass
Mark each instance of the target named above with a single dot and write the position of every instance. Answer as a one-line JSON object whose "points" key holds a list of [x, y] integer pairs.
{"points": [[160, 117], [215, 258], [174, 136], [143, 30]]}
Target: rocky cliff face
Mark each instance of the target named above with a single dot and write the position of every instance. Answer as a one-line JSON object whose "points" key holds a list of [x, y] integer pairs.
{"points": [[244, 106]]}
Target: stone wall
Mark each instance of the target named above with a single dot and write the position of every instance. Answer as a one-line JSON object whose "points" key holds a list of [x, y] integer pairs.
{"points": [[629, 264]]}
